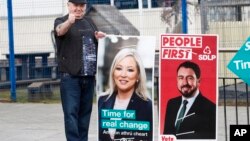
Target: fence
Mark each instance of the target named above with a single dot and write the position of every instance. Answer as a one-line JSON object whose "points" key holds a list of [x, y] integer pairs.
{"points": [[234, 98]]}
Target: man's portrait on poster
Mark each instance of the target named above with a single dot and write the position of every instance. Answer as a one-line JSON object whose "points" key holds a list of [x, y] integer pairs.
{"points": [[190, 115]]}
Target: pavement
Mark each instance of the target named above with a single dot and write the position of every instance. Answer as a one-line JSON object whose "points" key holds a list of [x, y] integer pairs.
{"points": [[44, 122]]}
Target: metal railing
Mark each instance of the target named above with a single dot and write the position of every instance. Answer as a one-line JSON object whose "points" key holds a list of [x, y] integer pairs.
{"points": [[235, 95]]}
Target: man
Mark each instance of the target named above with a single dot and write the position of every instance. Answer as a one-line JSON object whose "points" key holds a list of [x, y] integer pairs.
{"points": [[198, 120], [76, 39]]}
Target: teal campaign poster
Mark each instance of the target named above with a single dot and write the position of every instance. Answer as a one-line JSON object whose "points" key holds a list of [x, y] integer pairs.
{"points": [[124, 88], [240, 63]]}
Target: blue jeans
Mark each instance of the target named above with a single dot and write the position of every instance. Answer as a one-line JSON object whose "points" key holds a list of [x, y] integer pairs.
{"points": [[77, 99]]}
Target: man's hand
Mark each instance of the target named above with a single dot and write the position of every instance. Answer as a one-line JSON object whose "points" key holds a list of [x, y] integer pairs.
{"points": [[71, 18], [99, 34], [61, 29]]}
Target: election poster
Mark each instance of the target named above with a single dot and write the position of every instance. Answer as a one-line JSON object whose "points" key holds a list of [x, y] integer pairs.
{"points": [[239, 64], [125, 87], [188, 87]]}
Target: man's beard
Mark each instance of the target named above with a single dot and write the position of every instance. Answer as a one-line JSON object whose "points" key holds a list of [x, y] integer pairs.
{"points": [[186, 93]]}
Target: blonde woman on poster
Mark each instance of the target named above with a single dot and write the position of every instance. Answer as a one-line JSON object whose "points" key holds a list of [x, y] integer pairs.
{"points": [[125, 111]]}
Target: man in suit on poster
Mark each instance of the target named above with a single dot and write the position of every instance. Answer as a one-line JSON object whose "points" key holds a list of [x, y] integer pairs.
{"points": [[191, 115]]}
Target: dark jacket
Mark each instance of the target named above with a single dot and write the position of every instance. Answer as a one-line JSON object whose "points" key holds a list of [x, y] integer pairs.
{"points": [[69, 46], [200, 125], [144, 112]]}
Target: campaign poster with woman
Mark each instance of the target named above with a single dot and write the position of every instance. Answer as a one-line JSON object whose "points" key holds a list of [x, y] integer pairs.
{"points": [[125, 88]]}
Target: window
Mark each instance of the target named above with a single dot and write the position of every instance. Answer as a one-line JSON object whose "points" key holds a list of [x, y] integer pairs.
{"points": [[126, 4]]}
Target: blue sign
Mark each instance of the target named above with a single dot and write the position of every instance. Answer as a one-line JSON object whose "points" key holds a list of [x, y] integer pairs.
{"points": [[240, 64]]}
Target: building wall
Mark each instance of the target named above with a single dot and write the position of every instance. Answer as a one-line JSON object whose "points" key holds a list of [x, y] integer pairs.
{"points": [[232, 35], [31, 34], [148, 22]]}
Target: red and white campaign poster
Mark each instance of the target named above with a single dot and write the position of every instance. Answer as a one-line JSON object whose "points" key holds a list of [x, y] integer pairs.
{"points": [[188, 87]]}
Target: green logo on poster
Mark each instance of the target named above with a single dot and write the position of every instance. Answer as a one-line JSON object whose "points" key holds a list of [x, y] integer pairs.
{"points": [[240, 64]]}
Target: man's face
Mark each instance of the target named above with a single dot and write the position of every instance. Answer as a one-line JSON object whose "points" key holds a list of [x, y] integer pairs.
{"points": [[187, 82], [77, 9]]}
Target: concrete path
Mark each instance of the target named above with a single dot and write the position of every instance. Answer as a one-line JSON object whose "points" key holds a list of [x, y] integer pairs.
{"points": [[44, 122]]}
